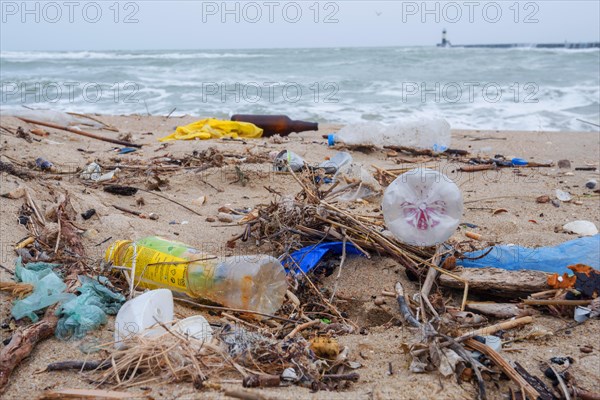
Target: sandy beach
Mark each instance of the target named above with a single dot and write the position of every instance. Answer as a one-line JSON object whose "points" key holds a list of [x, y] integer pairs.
{"points": [[524, 222]]}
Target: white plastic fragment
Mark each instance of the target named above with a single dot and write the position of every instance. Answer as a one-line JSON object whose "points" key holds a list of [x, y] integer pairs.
{"points": [[582, 228]]}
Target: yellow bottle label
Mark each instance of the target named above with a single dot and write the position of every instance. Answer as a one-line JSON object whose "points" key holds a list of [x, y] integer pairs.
{"points": [[154, 269]]}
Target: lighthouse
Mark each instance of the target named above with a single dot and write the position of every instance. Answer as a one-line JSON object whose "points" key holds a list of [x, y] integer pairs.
{"points": [[445, 42]]}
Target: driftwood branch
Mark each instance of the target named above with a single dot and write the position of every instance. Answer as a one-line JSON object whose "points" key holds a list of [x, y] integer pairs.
{"points": [[489, 330], [22, 343], [499, 282], [80, 132]]}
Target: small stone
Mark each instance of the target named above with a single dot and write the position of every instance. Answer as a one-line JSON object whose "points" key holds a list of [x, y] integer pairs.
{"points": [[586, 349], [88, 214], [90, 234], [556, 203], [591, 184], [225, 217], [210, 219], [564, 164], [543, 199], [379, 301]]}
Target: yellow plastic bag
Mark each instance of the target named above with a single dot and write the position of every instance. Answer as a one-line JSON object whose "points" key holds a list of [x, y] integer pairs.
{"points": [[211, 128]]}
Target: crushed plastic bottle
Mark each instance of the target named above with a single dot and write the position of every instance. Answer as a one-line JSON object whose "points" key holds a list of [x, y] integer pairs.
{"points": [[249, 282], [356, 184], [426, 133], [422, 207], [288, 159], [337, 162]]}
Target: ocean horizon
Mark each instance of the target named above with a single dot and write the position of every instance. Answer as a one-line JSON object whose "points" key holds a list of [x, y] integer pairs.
{"points": [[512, 89]]}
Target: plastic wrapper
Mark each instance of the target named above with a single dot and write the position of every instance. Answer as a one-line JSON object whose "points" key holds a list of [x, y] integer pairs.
{"points": [[355, 183], [48, 289], [87, 311]]}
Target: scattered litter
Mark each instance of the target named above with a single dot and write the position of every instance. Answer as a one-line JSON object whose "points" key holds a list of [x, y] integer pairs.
{"points": [[276, 124], [563, 196], [519, 162], [200, 275], [473, 235], [126, 150], [286, 160], [211, 128], [195, 327], [337, 162], [121, 190], [88, 310], [44, 165], [425, 133], [422, 207], [309, 257], [48, 289], [142, 315], [355, 184], [93, 172], [543, 199], [582, 314]]}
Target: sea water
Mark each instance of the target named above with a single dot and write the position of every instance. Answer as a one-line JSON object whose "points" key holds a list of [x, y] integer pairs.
{"points": [[520, 89]]}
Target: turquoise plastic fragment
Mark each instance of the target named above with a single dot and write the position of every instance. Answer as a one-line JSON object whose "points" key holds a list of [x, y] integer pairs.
{"points": [[78, 314], [89, 310], [48, 289]]}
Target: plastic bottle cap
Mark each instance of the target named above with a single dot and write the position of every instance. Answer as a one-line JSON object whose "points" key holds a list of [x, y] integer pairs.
{"points": [[422, 207], [331, 139], [519, 161]]}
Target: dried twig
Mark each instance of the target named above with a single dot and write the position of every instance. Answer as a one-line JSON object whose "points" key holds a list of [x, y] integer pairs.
{"points": [[489, 330], [404, 310], [505, 366]]}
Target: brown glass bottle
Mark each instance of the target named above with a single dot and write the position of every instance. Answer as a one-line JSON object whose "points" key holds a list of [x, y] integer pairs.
{"points": [[276, 124]]}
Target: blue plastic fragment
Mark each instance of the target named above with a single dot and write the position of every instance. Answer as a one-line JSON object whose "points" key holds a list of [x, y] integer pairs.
{"points": [[308, 257], [42, 164], [519, 162], [126, 150], [331, 139], [552, 259]]}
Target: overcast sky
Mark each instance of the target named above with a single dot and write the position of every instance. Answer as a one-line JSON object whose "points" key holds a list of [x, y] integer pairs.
{"points": [[156, 25]]}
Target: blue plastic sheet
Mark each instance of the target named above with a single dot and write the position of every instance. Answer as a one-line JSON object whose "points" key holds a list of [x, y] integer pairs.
{"points": [[308, 257], [555, 259]]}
